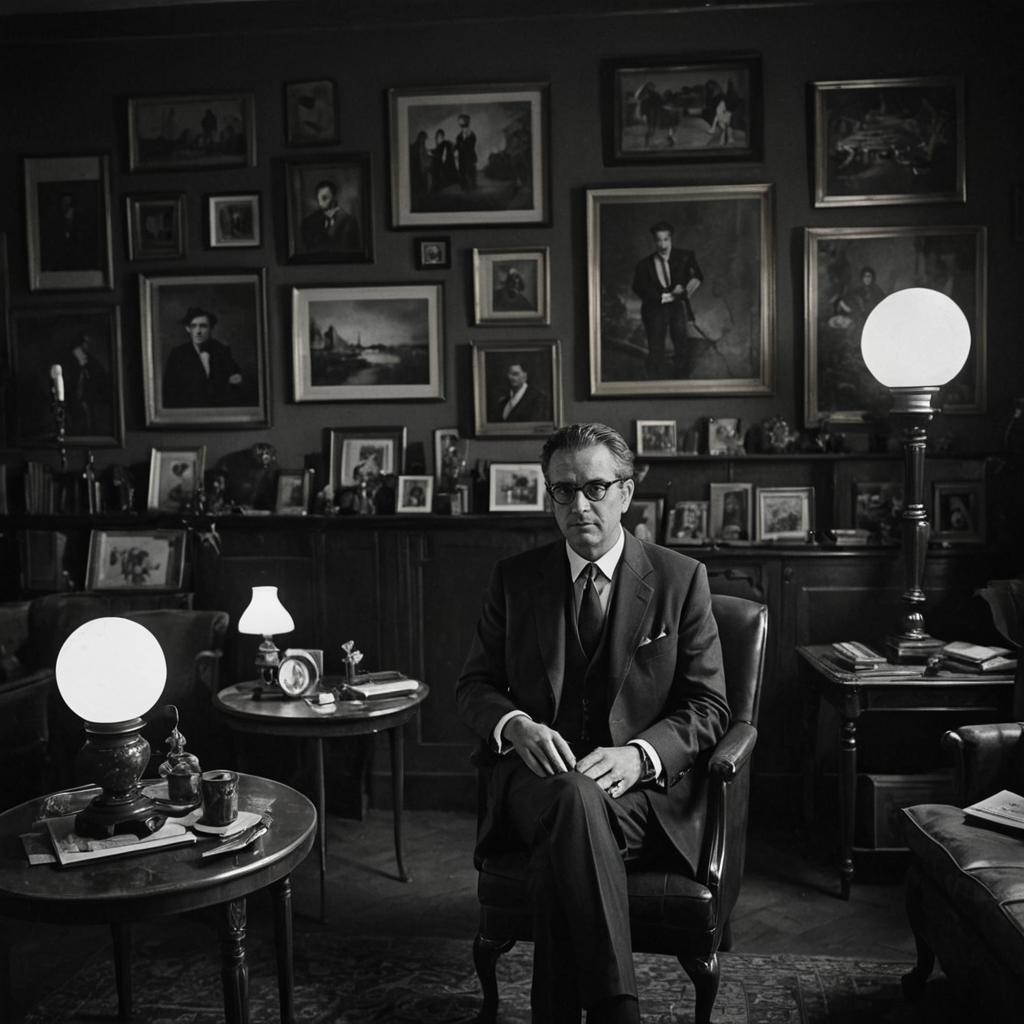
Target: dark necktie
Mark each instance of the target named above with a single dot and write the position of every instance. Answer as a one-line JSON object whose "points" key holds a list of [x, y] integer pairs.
{"points": [[591, 619]]}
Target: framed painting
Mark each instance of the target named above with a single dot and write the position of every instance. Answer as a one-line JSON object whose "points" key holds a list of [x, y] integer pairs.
{"points": [[67, 211], [847, 272], [884, 141], [73, 354], [958, 512], [731, 512], [517, 387], [368, 342], [511, 286], [431, 253], [191, 133], [204, 349], [233, 221], [878, 509], [725, 435], [784, 514], [415, 494], [680, 110], [687, 524], [157, 226], [645, 517], [329, 210], [135, 560], [515, 487], [469, 155], [355, 454], [310, 113], [656, 437], [292, 492], [655, 327], [450, 453], [175, 476]]}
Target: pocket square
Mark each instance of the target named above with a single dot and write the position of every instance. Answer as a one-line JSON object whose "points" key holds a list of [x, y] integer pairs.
{"points": [[649, 640]]}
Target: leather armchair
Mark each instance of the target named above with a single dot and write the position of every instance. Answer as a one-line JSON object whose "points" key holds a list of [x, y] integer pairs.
{"points": [[670, 912]]}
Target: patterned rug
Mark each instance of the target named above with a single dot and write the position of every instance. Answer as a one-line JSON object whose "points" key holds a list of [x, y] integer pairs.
{"points": [[431, 981]]}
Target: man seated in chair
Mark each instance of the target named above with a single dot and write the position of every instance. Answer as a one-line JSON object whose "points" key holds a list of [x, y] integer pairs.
{"points": [[598, 689]]}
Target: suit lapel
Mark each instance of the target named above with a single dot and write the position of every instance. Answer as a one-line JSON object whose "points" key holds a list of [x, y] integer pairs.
{"points": [[632, 599], [549, 593]]}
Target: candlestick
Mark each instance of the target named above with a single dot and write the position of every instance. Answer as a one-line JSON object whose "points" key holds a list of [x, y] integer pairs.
{"points": [[57, 376]]}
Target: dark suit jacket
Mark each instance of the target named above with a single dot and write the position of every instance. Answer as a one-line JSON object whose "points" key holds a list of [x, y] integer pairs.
{"points": [[683, 267], [186, 385], [533, 407], [665, 680]]}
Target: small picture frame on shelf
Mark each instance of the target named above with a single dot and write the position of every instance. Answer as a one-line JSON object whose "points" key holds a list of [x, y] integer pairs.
{"points": [[516, 487], [364, 453], [415, 494], [446, 439], [645, 517], [135, 560], [656, 437], [687, 524], [292, 492], [175, 476], [724, 436], [784, 514], [958, 512], [731, 512]]}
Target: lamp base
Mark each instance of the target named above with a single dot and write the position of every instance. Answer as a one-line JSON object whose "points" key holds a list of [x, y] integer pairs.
{"points": [[909, 650], [106, 817]]}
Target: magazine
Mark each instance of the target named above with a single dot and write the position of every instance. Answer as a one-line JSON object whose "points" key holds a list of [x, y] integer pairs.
{"points": [[1004, 809]]}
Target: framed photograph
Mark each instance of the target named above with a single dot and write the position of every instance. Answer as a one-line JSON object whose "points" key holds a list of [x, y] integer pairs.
{"points": [[445, 439], [678, 110], [687, 524], [135, 560], [656, 328], [511, 286], [847, 272], [364, 453], [645, 517], [656, 437], [67, 211], [469, 155], [292, 492], [431, 253], [724, 435], [958, 512], [204, 349], [517, 387], [191, 133], [310, 113], [415, 494], [157, 227], [883, 141], [233, 221], [516, 487], [878, 508], [731, 512], [329, 210], [77, 351], [175, 476], [368, 342], [784, 514]]}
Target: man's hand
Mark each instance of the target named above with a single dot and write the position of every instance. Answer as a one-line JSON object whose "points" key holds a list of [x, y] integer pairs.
{"points": [[542, 749], [614, 769]]}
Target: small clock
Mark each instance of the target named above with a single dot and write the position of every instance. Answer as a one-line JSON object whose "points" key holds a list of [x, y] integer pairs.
{"points": [[299, 672]]}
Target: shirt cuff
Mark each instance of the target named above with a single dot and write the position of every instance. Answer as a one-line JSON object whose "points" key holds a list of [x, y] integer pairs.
{"points": [[499, 743], [653, 755]]}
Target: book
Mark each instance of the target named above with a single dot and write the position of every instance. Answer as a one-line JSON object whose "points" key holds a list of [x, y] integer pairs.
{"points": [[72, 848], [1005, 810], [374, 685], [857, 655], [975, 654], [994, 665]]}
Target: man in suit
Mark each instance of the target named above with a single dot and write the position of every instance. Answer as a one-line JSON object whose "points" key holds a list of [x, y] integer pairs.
{"points": [[518, 401], [201, 373], [665, 281], [595, 678], [328, 228]]}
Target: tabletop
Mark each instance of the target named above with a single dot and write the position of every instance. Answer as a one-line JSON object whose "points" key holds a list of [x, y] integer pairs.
{"points": [[823, 659]]}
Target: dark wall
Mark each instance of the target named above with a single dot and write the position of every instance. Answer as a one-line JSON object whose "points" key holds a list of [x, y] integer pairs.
{"points": [[65, 87]]}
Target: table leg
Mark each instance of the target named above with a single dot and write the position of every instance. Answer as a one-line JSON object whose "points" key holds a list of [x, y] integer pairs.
{"points": [[321, 812], [282, 895], [396, 737], [122, 936], [234, 971], [847, 803]]}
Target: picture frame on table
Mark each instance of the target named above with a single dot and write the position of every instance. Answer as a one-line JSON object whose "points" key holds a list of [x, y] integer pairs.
{"points": [[225, 311], [191, 133], [85, 343], [136, 560], [175, 477], [683, 110], [687, 524], [292, 492], [656, 437], [469, 155], [415, 494], [878, 509], [358, 453], [694, 344], [330, 212], [157, 226], [847, 272], [784, 514], [511, 286], [645, 517], [731, 512], [233, 221], [68, 228], [311, 113], [368, 342], [527, 373], [885, 141], [515, 487], [725, 436], [433, 253], [958, 512]]}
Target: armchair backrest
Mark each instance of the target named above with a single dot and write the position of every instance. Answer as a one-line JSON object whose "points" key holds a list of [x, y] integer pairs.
{"points": [[743, 631]]}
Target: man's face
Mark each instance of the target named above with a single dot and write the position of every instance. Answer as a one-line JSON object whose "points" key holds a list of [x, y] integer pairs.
{"points": [[590, 527], [516, 376], [663, 242], [325, 197], [198, 329]]}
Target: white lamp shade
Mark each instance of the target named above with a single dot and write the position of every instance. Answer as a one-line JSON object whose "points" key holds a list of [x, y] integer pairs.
{"points": [[916, 337], [111, 670], [265, 615]]}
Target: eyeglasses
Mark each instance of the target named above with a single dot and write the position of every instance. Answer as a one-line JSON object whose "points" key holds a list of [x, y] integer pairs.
{"points": [[593, 490]]}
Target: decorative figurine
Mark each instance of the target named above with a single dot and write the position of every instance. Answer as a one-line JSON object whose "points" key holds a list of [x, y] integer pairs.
{"points": [[777, 436], [352, 658], [181, 769]]}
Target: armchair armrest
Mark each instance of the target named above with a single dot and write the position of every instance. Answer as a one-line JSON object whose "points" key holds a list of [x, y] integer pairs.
{"points": [[733, 751], [207, 667], [986, 758]]}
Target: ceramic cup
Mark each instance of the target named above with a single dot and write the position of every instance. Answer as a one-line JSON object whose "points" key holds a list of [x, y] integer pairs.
{"points": [[220, 797]]}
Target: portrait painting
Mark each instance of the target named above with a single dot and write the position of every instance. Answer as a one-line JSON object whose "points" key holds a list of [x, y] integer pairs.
{"points": [[516, 387], [310, 113], [415, 494], [656, 437], [644, 517], [784, 514], [157, 227], [357, 454], [687, 524], [292, 492], [469, 155], [958, 512], [731, 512], [175, 476], [848, 271], [511, 286], [329, 209], [135, 560], [516, 487], [681, 290], [233, 221], [204, 349]]}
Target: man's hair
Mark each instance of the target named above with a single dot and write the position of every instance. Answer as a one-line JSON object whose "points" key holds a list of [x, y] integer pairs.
{"points": [[196, 311], [578, 436], [662, 225], [326, 183]]}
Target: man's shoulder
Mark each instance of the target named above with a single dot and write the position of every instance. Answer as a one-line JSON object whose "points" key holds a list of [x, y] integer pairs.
{"points": [[667, 560]]}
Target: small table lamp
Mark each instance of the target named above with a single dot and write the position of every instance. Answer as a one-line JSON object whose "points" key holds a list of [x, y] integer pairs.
{"points": [[264, 617], [913, 342]]}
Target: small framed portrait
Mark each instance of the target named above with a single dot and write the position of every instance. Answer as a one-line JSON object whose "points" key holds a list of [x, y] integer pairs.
{"points": [[958, 512], [687, 524], [175, 476], [157, 227], [878, 508], [784, 514], [511, 286], [364, 453], [135, 560], [415, 494], [329, 209], [517, 388], [656, 437], [310, 113], [645, 517], [433, 253], [731, 512], [724, 435], [67, 210], [515, 487], [451, 454], [233, 221], [292, 492]]}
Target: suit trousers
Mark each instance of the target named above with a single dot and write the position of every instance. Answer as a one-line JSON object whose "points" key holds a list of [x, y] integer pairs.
{"points": [[669, 319]]}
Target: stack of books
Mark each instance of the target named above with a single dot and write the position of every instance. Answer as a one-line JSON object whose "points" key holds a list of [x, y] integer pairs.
{"points": [[857, 656], [376, 685], [967, 657]]}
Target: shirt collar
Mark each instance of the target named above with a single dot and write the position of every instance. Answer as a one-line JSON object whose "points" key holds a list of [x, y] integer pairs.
{"points": [[606, 563]]}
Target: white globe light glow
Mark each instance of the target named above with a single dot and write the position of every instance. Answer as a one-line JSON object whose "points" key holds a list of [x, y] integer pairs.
{"points": [[265, 615], [111, 670], [916, 337]]}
